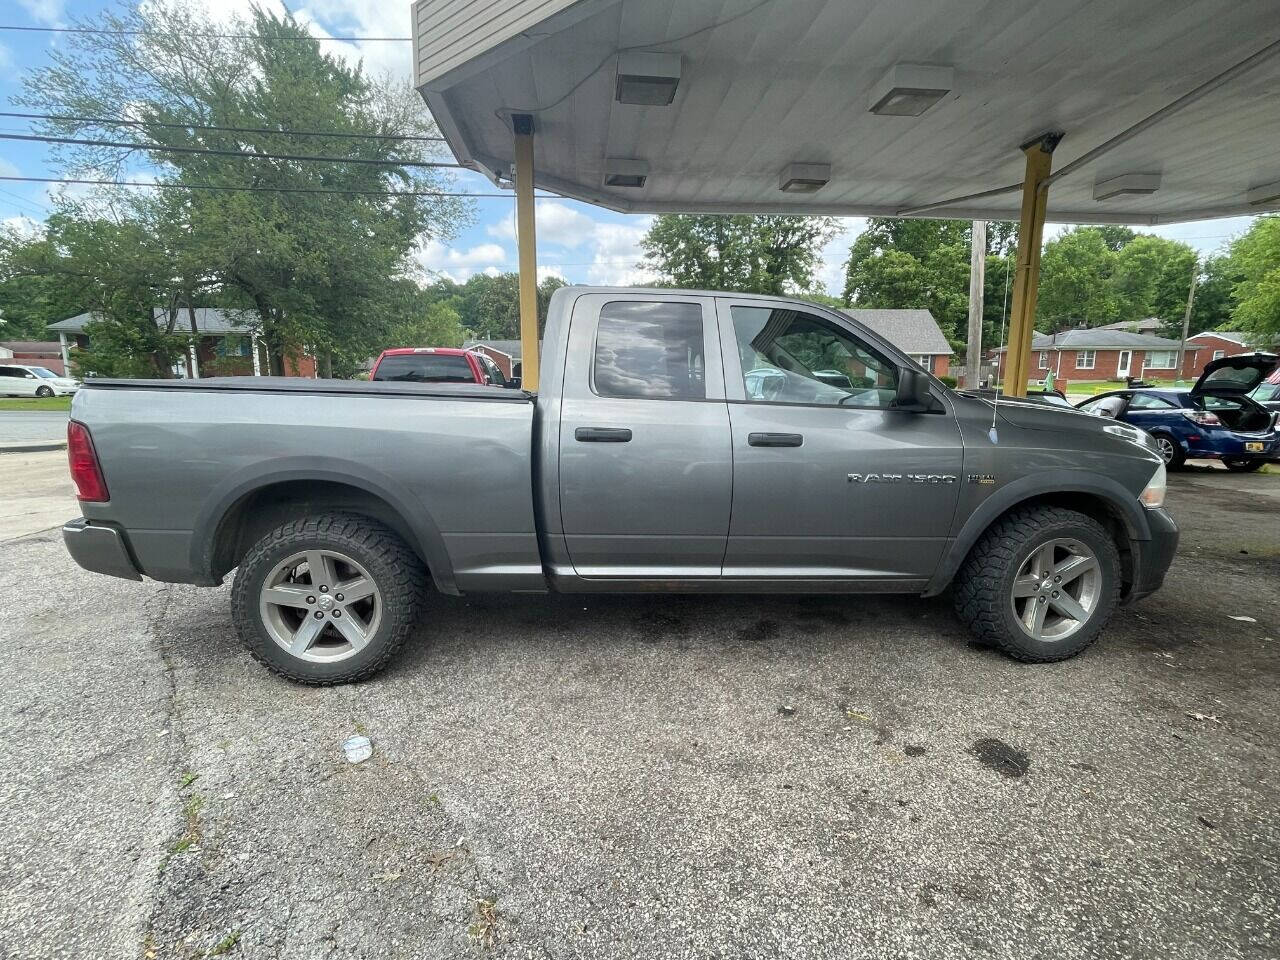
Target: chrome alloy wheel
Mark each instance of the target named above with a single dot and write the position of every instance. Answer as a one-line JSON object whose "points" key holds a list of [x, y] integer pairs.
{"points": [[320, 605], [1056, 590], [1165, 446]]}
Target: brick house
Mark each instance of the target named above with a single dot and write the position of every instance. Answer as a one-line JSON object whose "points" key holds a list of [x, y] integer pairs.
{"points": [[1114, 354], [914, 332], [36, 353]]}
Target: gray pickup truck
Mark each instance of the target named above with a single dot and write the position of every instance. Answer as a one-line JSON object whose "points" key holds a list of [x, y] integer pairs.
{"points": [[681, 441]]}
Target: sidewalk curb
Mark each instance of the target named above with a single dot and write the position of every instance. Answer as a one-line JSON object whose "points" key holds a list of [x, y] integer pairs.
{"points": [[33, 446]]}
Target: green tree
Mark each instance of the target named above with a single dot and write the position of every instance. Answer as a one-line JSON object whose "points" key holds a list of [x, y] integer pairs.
{"points": [[313, 248], [1151, 276], [489, 306], [746, 254], [1076, 282], [914, 263], [1255, 257]]}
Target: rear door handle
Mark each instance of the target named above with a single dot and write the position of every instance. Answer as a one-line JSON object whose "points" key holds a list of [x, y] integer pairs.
{"points": [[775, 439], [602, 435]]}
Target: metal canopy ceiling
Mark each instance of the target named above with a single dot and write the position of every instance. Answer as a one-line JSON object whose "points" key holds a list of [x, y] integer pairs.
{"points": [[767, 84]]}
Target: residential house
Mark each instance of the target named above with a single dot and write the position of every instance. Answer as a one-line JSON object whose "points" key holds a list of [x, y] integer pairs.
{"points": [[505, 353], [36, 353], [227, 343], [1107, 353], [914, 332]]}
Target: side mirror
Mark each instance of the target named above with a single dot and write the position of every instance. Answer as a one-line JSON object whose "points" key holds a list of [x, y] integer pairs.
{"points": [[513, 383], [913, 391]]}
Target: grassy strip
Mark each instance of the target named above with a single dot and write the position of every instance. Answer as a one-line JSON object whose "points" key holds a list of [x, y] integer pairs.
{"points": [[35, 403]]}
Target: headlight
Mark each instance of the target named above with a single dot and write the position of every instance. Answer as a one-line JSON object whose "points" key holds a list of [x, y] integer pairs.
{"points": [[1153, 495]]}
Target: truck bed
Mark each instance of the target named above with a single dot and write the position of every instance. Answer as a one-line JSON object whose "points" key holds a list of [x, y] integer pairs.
{"points": [[454, 461]]}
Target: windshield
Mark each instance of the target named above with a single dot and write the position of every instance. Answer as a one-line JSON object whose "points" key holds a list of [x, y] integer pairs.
{"points": [[44, 372], [425, 368], [1267, 392]]}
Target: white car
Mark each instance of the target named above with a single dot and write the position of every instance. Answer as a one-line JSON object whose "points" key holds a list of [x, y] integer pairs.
{"points": [[21, 380]]}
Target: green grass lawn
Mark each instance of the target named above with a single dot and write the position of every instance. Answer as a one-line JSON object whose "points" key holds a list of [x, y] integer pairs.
{"points": [[35, 403]]}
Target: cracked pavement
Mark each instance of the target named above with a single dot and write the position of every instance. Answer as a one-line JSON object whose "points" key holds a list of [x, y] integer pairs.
{"points": [[650, 776]]}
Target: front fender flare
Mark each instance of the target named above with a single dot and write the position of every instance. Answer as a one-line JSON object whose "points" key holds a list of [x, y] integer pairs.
{"points": [[232, 489], [1028, 488]]}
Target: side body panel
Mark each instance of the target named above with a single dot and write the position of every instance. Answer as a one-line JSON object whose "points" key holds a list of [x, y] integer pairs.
{"points": [[869, 494], [655, 505], [457, 470]]}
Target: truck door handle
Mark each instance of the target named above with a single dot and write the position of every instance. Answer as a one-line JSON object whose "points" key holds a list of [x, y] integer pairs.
{"points": [[775, 439], [602, 435]]}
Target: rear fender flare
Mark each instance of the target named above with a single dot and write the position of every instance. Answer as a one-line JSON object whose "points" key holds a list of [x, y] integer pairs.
{"points": [[1124, 503], [225, 495]]}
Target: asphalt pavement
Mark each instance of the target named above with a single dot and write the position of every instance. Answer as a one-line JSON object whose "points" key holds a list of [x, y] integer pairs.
{"points": [[21, 427], [651, 777]]}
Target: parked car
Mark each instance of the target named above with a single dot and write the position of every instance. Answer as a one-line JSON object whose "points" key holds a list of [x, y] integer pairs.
{"points": [[1052, 398], [21, 380], [1217, 419], [1267, 393], [646, 463], [436, 365]]}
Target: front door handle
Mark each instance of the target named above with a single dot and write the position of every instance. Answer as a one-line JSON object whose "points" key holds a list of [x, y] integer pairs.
{"points": [[775, 439], [602, 435]]}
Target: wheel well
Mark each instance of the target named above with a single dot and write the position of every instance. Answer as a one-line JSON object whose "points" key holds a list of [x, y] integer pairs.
{"points": [[259, 512], [1099, 509]]}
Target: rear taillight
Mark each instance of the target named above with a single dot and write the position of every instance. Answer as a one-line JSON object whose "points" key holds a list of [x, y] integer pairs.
{"points": [[85, 471], [1202, 417]]}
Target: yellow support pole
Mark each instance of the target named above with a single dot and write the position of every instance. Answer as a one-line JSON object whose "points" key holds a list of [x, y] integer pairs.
{"points": [[1026, 281], [526, 240]]}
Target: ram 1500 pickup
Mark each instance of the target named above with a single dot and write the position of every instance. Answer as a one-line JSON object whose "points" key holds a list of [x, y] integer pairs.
{"points": [[681, 441]]}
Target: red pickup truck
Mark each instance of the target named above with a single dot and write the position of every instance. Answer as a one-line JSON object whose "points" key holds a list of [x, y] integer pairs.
{"points": [[437, 365]]}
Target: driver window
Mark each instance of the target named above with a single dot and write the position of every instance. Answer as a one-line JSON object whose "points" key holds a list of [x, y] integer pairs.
{"points": [[789, 356]]}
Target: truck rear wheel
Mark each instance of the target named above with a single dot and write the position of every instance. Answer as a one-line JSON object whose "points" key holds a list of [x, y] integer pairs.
{"points": [[327, 599], [1041, 583]]}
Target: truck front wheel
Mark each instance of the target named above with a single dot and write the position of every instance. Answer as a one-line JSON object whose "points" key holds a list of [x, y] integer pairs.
{"points": [[1041, 583], [327, 599]]}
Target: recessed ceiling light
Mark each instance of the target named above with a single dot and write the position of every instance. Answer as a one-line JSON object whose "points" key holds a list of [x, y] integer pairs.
{"points": [[1128, 184], [621, 172], [647, 79], [1263, 194], [909, 89], [804, 177]]}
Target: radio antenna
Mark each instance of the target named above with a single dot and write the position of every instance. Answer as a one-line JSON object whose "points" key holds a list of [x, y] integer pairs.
{"points": [[1004, 313]]}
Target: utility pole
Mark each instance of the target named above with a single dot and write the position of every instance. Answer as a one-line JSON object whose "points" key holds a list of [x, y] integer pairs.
{"points": [[1186, 317], [977, 286]]}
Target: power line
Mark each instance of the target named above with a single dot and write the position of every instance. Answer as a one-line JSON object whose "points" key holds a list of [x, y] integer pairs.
{"points": [[260, 189], [212, 151], [99, 32], [113, 121]]}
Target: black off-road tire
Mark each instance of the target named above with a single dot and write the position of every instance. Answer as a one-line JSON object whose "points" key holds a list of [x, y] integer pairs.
{"points": [[1243, 466], [984, 585], [394, 567]]}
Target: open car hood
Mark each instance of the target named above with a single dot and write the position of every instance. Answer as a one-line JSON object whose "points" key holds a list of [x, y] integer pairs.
{"points": [[1236, 375]]}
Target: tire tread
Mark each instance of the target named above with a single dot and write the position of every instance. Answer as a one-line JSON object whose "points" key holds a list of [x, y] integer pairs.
{"points": [[979, 600], [408, 585]]}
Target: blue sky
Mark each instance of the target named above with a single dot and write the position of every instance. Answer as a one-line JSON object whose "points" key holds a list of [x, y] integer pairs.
{"points": [[579, 242]]}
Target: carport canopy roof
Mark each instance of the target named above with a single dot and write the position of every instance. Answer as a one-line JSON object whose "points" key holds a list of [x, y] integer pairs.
{"points": [[767, 83]]}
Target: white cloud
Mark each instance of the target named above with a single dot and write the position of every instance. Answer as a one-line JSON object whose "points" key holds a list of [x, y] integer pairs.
{"points": [[557, 225], [6, 58], [442, 261], [617, 259], [7, 169], [24, 227], [831, 259], [47, 12]]}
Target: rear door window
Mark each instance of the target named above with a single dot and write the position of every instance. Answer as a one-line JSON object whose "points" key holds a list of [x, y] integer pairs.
{"points": [[650, 351], [425, 368]]}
